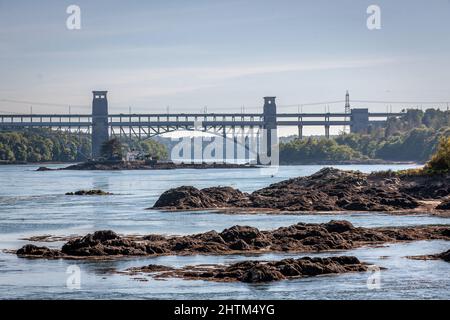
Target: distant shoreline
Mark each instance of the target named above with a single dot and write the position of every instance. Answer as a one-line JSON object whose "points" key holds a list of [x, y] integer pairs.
{"points": [[350, 162], [142, 165], [302, 163]]}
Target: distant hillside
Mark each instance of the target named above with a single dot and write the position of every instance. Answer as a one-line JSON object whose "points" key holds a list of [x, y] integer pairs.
{"points": [[43, 145], [411, 137]]}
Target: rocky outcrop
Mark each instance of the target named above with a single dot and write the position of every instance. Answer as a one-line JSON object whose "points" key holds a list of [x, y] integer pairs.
{"points": [[43, 252], [259, 271], [439, 256], [445, 256], [187, 197], [94, 192], [301, 237], [327, 190], [44, 169], [425, 187], [103, 243]]}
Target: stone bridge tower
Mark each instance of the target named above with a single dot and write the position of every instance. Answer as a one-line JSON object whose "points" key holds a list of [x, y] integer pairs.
{"points": [[270, 125], [100, 130]]}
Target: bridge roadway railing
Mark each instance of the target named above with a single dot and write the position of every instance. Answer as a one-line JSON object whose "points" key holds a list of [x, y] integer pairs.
{"points": [[237, 119], [148, 125]]}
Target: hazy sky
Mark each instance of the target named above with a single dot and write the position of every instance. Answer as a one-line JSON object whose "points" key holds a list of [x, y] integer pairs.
{"points": [[221, 54]]}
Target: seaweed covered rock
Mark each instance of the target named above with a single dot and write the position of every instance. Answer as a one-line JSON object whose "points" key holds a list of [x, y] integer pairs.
{"points": [[445, 256], [103, 243], [327, 190], [300, 237], [94, 192], [43, 252], [187, 197], [262, 271]]}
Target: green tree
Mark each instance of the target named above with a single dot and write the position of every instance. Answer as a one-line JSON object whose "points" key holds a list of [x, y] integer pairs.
{"points": [[440, 161], [39, 145], [314, 150], [112, 149], [154, 149]]}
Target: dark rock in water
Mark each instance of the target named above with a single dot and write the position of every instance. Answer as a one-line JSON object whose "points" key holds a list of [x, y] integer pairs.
{"points": [[260, 273], [440, 256], [227, 195], [44, 169], [42, 252], [445, 256], [239, 245], [327, 190], [301, 237], [104, 235], [444, 205], [88, 193], [103, 243], [150, 268], [339, 226], [154, 237], [240, 233], [187, 197], [264, 271], [425, 186]]}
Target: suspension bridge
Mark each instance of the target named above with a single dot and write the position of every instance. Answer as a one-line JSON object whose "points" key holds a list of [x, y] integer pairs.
{"points": [[101, 125]]}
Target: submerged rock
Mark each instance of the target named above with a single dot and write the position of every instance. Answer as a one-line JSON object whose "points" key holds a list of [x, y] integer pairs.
{"points": [[327, 190], [44, 169], [94, 192], [301, 237], [439, 256], [445, 256]]}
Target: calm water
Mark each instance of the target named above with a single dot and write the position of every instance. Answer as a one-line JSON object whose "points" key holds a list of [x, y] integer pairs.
{"points": [[33, 203]]}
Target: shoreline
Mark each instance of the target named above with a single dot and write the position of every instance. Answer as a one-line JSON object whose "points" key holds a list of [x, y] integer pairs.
{"points": [[141, 165], [350, 162], [283, 164]]}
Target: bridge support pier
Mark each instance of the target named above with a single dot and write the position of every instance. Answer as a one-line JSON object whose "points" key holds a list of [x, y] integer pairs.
{"points": [[359, 121], [327, 131], [270, 136], [224, 144], [100, 130]]}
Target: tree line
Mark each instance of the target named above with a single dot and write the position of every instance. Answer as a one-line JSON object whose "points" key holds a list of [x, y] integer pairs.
{"points": [[42, 145], [412, 137], [45, 145]]}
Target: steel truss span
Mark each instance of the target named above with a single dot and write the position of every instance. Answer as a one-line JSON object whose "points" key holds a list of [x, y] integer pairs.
{"points": [[101, 125]]}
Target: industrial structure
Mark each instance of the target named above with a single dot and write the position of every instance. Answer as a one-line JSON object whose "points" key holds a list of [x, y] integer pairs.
{"points": [[102, 125]]}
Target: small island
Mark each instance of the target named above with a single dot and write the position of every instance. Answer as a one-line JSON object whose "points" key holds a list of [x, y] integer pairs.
{"points": [[114, 158]]}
